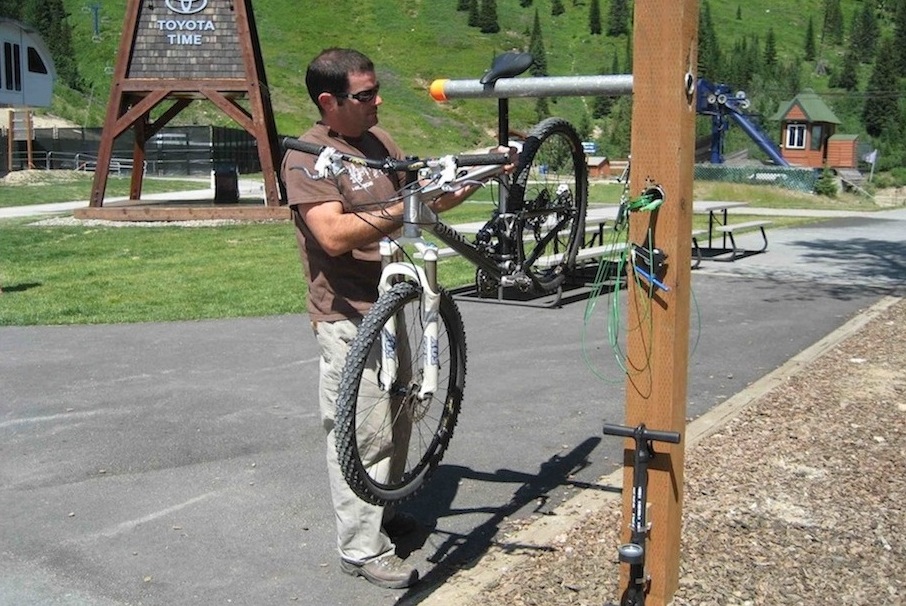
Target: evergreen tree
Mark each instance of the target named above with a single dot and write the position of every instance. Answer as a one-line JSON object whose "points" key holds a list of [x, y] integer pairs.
{"points": [[789, 78], [10, 9], [826, 184], [708, 48], [601, 106], [474, 15], [583, 128], [832, 30], [629, 54], [525, 3], [619, 136], [536, 48], [863, 40], [542, 110], [463, 5], [770, 52], [618, 18], [847, 76], [744, 62], [881, 111], [557, 8], [738, 13], [51, 20], [898, 46], [488, 17], [594, 18], [810, 50]]}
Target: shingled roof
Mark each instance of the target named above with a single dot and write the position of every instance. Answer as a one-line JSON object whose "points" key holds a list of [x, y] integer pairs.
{"points": [[812, 106]]}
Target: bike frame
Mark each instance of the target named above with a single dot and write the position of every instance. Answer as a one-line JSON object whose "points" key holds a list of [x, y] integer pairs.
{"points": [[417, 216]]}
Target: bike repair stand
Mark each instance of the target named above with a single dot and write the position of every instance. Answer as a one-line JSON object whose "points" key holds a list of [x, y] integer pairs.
{"points": [[633, 553]]}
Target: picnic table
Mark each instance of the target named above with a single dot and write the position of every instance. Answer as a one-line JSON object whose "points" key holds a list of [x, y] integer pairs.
{"points": [[719, 225]]}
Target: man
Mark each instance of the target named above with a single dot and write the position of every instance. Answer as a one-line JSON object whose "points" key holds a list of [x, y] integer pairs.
{"points": [[339, 223]]}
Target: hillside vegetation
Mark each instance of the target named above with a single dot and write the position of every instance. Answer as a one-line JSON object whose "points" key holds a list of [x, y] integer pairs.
{"points": [[414, 42]]}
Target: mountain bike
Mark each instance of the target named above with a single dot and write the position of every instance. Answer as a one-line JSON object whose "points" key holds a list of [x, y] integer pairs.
{"points": [[404, 376]]}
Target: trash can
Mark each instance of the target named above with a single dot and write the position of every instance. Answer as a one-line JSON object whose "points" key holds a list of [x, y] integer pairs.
{"points": [[226, 183]]}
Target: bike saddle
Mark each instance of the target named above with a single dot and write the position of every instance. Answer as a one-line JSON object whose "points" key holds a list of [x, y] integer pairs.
{"points": [[507, 65]]}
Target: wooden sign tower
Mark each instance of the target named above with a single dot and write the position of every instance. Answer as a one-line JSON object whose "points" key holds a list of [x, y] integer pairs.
{"points": [[174, 52]]}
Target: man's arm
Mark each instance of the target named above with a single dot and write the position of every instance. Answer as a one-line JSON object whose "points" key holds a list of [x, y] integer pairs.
{"points": [[339, 232]]}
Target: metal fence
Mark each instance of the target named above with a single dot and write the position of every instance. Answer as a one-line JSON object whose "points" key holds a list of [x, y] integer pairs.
{"points": [[173, 151], [797, 179]]}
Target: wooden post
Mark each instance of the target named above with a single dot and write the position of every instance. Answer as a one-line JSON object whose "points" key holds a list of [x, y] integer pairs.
{"points": [[665, 40]]}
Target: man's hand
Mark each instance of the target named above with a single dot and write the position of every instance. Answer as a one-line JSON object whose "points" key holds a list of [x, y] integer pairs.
{"points": [[513, 155]]}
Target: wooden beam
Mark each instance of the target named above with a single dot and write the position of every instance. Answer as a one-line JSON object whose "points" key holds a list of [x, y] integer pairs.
{"points": [[663, 153], [239, 114]]}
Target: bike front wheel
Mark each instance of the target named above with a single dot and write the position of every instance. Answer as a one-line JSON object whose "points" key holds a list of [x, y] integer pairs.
{"points": [[391, 438], [549, 195]]}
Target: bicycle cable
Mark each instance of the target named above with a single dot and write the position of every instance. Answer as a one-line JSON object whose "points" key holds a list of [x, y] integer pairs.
{"points": [[645, 281]]}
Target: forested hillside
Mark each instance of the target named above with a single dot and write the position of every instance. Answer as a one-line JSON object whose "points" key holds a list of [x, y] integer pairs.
{"points": [[853, 52]]}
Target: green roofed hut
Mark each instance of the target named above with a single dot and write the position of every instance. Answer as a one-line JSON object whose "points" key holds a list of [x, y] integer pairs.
{"points": [[808, 134]]}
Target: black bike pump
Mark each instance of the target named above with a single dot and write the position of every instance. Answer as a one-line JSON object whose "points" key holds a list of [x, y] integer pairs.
{"points": [[633, 553]]}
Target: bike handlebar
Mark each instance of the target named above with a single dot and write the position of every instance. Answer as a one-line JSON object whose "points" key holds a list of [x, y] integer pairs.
{"points": [[641, 432], [393, 164]]}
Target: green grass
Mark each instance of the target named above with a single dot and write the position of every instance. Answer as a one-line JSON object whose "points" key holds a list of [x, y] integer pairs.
{"points": [[86, 275], [89, 274], [66, 186]]}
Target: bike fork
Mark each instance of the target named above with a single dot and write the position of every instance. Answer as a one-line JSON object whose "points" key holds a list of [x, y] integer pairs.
{"points": [[429, 311], [633, 553]]}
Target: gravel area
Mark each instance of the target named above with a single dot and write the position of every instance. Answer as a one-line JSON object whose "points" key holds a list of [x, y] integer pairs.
{"points": [[798, 500]]}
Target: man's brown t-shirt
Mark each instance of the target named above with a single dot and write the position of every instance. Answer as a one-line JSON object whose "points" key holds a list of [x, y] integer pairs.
{"points": [[342, 287]]}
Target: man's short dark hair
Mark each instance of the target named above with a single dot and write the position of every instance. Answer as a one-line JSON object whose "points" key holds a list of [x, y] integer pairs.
{"points": [[329, 71]]}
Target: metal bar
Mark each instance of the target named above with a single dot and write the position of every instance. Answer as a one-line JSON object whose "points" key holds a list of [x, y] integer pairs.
{"points": [[554, 86]]}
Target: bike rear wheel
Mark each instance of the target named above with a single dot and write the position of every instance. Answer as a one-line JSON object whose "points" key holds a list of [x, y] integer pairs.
{"points": [[390, 441], [549, 195]]}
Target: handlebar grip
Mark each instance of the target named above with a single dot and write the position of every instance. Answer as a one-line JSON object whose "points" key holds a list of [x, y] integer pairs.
{"points": [[662, 436], [302, 146], [482, 159], [646, 434]]}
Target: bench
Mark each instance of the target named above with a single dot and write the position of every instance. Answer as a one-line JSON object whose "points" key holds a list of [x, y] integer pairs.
{"points": [[730, 228], [585, 254], [696, 249]]}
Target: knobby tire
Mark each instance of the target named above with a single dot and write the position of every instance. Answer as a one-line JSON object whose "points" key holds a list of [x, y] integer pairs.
{"points": [[550, 194], [432, 419]]}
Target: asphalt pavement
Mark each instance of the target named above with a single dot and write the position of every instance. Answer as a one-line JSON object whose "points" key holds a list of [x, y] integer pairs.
{"points": [[183, 463]]}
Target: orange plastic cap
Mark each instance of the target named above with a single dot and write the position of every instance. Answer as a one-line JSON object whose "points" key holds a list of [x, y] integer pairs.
{"points": [[437, 90]]}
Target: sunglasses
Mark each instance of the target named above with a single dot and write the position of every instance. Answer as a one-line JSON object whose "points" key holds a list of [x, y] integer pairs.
{"points": [[365, 96]]}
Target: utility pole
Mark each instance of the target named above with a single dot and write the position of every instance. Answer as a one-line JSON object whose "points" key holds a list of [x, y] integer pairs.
{"points": [[665, 41]]}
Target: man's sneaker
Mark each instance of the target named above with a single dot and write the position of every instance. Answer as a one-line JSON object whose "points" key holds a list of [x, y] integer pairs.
{"points": [[388, 571], [400, 525]]}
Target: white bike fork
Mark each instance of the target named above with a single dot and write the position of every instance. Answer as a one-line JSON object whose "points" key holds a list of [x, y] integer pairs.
{"points": [[429, 311]]}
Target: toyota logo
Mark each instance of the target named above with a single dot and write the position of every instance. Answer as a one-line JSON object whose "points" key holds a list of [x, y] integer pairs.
{"points": [[186, 7]]}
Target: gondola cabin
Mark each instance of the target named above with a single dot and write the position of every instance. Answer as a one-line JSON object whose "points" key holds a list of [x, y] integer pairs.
{"points": [[26, 68]]}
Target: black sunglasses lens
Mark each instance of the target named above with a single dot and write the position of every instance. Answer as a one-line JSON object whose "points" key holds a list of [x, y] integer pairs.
{"points": [[366, 95]]}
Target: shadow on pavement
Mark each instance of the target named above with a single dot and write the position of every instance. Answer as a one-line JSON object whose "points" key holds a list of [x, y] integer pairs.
{"points": [[458, 550]]}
